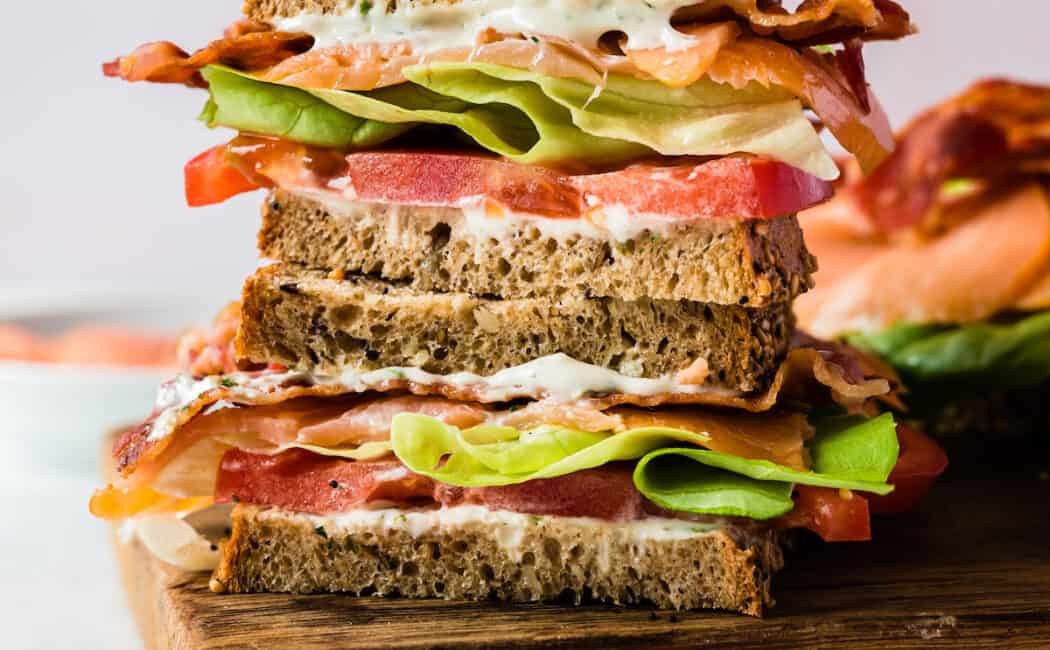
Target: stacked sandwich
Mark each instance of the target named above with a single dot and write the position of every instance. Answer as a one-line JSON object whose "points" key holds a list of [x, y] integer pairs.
{"points": [[940, 261], [530, 331]]}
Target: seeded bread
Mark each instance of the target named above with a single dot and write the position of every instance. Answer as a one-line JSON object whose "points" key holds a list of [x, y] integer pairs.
{"points": [[266, 10], [519, 558], [724, 261], [309, 321]]}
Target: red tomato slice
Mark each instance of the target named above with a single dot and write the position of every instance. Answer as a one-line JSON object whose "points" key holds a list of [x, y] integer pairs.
{"points": [[834, 515], [735, 187], [920, 462], [732, 187], [211, 179], [302, 481]]}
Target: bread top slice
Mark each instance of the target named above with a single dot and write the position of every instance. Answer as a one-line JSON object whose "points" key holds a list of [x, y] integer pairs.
{"points": [[307, 320], [755, 263]]}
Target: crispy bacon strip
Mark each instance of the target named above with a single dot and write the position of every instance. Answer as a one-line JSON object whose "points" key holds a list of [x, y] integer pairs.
{"points": [[246, 45], [995, 130], [811, 375], [813, 22], [254, 46]]}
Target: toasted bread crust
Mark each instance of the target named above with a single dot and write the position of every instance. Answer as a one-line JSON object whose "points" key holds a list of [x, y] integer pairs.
{"points": [[305, 320], [550, 558], [724, 261]]}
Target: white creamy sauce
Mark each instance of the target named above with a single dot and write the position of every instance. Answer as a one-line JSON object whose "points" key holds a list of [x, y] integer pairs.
{"points": [[173, 540], [433, 27], [610, 222], [605, 222], [556, 377], [508, 528]]}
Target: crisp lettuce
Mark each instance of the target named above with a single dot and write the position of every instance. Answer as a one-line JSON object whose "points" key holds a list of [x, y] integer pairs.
{"points": [[520, 123], [944, 364], [528, 117], [850, 453], [489, 456], [247, 105], [705, 118]]}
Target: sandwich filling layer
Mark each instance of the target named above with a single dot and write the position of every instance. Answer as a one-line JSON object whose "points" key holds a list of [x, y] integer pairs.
{"points": [[438, 26]]}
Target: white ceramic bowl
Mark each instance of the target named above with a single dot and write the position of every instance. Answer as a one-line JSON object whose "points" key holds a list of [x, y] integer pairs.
{"points": [[53, 415]]}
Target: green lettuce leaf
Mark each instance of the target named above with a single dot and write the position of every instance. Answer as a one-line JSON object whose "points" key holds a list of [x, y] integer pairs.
{"points": [[705, 118], [683, 484], [490, 456], [944, 364], [848, 452], [248, 105], [520, 123], [528, 117]]}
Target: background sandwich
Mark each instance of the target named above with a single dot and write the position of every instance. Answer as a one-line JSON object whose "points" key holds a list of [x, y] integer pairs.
{"points": [[939, 261], [530, 329]]}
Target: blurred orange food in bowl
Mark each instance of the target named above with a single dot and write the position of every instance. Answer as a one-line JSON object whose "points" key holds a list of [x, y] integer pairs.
{"points": [[88, 345]]}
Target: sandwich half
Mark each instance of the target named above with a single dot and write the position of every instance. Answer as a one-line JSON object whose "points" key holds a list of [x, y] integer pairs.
{"points": [[529, 332], [939, 262]]}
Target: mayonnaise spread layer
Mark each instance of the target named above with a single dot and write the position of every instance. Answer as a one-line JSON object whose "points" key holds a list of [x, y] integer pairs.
{"points": [[432, 26], [556, 377]]}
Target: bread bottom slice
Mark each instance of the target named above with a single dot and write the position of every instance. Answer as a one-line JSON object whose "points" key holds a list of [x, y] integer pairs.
{"points": [[470, 553]]}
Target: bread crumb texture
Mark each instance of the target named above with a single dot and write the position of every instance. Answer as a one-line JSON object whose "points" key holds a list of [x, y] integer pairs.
{"points": [[554, 558], [753, 263]]}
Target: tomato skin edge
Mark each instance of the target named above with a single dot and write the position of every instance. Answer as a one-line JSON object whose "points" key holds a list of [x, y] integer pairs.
{"points": [[843, 516], [210, 179], [834, 515], [920, 463]]}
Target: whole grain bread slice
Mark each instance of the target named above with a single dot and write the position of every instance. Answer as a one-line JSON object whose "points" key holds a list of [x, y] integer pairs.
{"points": [[723, 261], [307, 320], [510, 557]]}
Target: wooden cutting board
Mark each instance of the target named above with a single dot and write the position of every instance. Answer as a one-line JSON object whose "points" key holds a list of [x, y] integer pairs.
{"points": [[969, 569]]}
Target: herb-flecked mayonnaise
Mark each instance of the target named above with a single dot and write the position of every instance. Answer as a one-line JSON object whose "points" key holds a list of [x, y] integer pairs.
{"points": [[436, 26]]}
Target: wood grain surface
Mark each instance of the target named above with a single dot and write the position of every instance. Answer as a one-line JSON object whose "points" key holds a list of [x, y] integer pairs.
{"points": [[969, 569]]}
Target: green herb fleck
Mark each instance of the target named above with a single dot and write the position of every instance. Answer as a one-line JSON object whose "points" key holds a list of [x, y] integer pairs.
{"points": [[365, 6], [321, 531], [227, 382], [957, 187], [824, 49]]}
